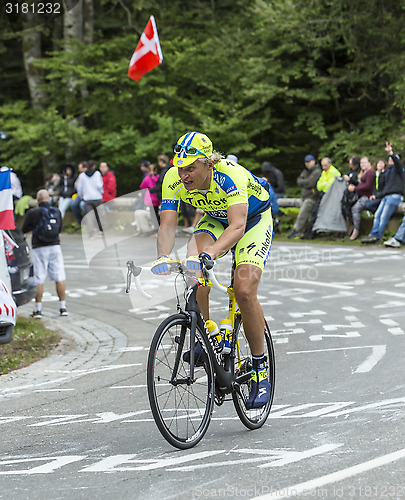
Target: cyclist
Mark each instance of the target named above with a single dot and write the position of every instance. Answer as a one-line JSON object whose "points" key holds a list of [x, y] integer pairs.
{"points": [[237, 215]]}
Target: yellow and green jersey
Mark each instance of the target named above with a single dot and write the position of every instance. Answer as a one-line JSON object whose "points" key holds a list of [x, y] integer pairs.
{"points": [[231, 184]]}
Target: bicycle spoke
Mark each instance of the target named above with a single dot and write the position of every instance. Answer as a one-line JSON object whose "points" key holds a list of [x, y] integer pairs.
{"points": [[182, 411]]}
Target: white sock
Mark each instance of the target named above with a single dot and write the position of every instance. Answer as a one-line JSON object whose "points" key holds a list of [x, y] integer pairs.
{"points": [[62, 304], [38, 306]]}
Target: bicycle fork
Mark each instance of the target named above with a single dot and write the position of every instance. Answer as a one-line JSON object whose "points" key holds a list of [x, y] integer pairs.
{"points": [[180, 340]]}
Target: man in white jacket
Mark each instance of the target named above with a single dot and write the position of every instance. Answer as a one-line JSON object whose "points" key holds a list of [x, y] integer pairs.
{"points": [[90, 189]]}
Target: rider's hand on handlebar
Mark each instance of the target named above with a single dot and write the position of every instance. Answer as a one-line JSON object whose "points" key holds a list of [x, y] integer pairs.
{"points": [[193, 263], [164, 264]]}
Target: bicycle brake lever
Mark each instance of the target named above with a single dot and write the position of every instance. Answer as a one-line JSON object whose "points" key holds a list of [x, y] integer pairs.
{"points": [[129, 273]]}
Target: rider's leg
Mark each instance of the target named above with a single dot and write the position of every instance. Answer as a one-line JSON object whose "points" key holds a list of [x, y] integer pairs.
{"points": [[197, 244], [245, 286]]}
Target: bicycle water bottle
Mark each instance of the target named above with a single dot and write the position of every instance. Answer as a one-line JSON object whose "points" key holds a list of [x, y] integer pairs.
{"points": [[225, 329], [214, 334]]}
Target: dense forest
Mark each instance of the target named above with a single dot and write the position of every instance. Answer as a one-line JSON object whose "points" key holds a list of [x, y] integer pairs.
{"points": [[264, 79]]}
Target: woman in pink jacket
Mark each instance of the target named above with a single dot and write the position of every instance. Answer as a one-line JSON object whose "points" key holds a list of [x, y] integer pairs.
{"points": [[148, 182]]}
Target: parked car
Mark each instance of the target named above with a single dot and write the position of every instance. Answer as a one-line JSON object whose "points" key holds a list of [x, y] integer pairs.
{"points": [[19, 262]]}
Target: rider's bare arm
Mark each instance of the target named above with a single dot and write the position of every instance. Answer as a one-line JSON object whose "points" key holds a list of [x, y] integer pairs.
{"points": [[237, 215], [167, 232]]}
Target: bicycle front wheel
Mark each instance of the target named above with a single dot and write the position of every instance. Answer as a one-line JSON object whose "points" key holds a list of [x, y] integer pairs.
{"points": [[181, 407], [256, 417]]}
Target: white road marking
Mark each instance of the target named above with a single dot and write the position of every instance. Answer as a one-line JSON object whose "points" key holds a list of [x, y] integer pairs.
{"points": [[386, 305], [334, 477], [325, 408], [371, 361], [52, 464], [53, 390], [289, 331], [317, 283], [339, 295], [314, 312], [328, 335], [94, 370], [351, 309], [274, 458], [128, 386], [111, 464], [392, 294], [309, 322], [132, 349], [378, 352], [396, 331], [385, 402], [354, 323]]}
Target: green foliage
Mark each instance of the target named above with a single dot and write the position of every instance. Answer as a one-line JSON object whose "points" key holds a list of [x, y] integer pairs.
{"points": [[265, 79]]}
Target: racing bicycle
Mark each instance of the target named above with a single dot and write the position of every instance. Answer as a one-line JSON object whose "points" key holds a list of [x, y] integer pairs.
{"points": [[183, 381]]}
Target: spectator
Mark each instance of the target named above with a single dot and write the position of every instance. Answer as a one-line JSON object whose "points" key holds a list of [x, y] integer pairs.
{"points": [[66, 187], [151, 199], [325, 181], [164, 165], [275, 177], [77, 205], [328, 176], [144, 168], [90, 189], [391, 196], [16, 188], [379, 181], [399, 237], [354, 171], [363, 191], [52, 184], [309, 194], [109, 182], [47, 253]]}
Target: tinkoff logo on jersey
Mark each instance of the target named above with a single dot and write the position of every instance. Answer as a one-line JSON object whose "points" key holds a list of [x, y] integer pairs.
{"points": [[175, 185], [265, 247], [204, 201]]}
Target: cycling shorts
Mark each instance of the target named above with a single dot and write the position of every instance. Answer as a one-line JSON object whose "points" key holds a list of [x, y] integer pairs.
{"points": [[254, 246]]}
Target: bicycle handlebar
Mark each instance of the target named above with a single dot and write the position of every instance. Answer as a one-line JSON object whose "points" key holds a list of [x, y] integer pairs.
{"points": [[211, 276], [135, 271]]}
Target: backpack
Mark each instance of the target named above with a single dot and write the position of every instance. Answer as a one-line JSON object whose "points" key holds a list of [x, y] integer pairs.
{"points": [[48, 227]]}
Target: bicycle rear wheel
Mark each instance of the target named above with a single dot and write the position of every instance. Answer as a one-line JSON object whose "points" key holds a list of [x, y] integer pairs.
{"points": [[181, 407], [256, 417]]}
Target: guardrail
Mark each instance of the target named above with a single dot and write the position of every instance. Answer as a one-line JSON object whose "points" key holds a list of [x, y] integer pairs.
{"points": [[296, 202], [127, 203]]}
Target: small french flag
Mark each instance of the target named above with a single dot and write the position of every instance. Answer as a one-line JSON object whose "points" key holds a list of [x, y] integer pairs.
{"points": [[6, 201]]}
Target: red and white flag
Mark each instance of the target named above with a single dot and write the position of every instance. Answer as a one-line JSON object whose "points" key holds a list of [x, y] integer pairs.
{"points": [[148, 53], [6, 201]]}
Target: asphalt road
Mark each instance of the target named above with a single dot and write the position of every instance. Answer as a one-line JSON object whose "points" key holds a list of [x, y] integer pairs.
{"points": [[337, 425]]}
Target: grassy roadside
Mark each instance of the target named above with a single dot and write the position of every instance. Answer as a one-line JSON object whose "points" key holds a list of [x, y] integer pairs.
{"points": [[31, 342]]}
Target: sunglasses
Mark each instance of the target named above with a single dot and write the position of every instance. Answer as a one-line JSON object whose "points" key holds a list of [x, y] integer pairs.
{"points": [[188, 150]]}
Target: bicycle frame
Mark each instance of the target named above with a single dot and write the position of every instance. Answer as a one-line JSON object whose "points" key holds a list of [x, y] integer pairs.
{"points": [[226, 381]]}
